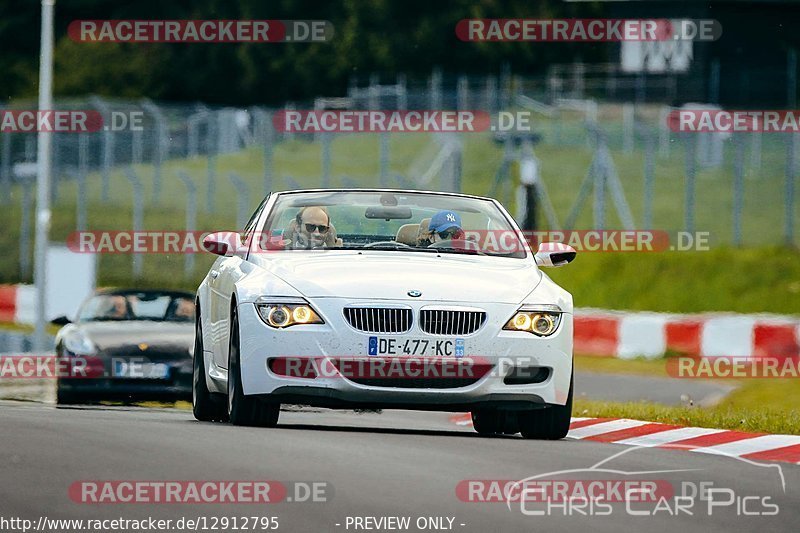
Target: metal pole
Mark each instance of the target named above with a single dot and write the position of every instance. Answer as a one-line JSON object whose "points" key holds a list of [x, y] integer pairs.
{"points": [[83, 164], [269, 141], [242, 192], [25, 231], [191, 218], [791, 172], [690, 146], [138, 193], [5, 168], [791, 78], [738, 188], [43, 159], [211, 170], [649, 164], [326, 159]]}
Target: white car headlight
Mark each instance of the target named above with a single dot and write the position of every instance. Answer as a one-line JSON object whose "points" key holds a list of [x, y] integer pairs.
{"points": [[284, 315], [542, 320], [79, 344]]}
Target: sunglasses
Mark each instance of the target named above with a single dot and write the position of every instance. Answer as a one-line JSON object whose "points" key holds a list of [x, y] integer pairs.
{"points": [[319, 227]]}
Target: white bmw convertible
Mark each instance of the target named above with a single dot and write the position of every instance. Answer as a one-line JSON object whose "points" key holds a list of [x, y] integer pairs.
{"points": [[384, 299]]}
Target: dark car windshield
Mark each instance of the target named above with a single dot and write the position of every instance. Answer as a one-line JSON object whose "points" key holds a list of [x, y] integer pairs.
{"points": [[155, 306]]}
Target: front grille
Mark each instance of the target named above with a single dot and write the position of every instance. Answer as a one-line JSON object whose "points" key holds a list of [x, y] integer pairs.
{"points": [[379, 319], [442, 322]]}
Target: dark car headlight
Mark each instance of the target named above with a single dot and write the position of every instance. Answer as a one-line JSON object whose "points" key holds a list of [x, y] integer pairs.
{"points": [[78, 343], [284, 315], [542, 321]]}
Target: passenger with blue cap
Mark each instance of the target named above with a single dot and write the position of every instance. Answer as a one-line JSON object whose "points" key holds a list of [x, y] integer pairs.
{"points": [[445, 226]]}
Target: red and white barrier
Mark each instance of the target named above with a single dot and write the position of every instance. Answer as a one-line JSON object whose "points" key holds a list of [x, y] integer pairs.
{"points": [[18, 304], [605, 333], [629, 334], [753, 446]]}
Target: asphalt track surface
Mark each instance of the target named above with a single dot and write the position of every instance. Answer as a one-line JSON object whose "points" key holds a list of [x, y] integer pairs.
{"points": [[375, 465], [588, 385]]}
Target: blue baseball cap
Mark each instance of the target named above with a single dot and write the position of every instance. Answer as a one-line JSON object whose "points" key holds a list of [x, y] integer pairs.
{"points": [[444, 220]]}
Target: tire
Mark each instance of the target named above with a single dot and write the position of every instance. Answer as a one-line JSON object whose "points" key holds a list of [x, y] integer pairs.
{"points": [[549, 423], [245, 410], [67, 397], [487, 421], [206, 405]]}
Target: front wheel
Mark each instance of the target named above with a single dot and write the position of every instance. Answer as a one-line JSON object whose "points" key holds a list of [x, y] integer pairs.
{"points": [[206, 405], [245, 410], [549, 423]]}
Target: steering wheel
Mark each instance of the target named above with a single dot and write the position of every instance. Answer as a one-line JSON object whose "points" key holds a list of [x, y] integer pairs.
{"points": [[386, 244], [450, 244]]}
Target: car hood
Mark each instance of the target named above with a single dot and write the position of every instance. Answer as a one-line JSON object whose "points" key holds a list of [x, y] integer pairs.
{"points": [[391, 275], [115, 334]]}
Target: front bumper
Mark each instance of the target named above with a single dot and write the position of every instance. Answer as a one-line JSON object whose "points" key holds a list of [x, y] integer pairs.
{"points": [[499, 350], [99, 379]]}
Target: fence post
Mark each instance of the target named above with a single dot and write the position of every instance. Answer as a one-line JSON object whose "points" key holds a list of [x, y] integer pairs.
{"points": [[649, 164], [138, 193], [436, 88], [791, 172], [211, 170], [160, 140], [25, 230], [83, 166], [242, 193], [628, 128], [738, 188], [267, 140], [191, 220], [325, 137], [402, 92], [108, 147], [5, 168], [690, 146]]}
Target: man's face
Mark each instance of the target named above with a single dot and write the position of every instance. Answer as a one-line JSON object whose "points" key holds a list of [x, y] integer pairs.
{"points": [[118, 308], [314, 226]]}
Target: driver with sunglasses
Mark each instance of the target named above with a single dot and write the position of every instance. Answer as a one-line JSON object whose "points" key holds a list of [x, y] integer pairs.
{"points": [[311, 230]]}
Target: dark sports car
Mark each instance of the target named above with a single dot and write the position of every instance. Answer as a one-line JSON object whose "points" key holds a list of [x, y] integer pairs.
{"points": [[127, 345]]}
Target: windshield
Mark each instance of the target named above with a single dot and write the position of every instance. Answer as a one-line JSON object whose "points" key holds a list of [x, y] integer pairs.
{"points": [[397, 221], [155, 306]]}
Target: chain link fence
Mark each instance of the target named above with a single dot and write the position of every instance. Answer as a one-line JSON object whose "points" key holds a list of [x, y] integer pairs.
{"points": [[200, 167]]}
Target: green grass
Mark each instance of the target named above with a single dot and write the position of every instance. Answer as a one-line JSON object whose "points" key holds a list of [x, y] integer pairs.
{"points": [[747, 280], [755, 405]]}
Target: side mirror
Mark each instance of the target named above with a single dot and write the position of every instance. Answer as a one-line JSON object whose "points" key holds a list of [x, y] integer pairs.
{"points": [[224, 243], [61, 321], [554, 254]]}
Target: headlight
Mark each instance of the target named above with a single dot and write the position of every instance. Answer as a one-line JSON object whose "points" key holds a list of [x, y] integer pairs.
{"points": [[283, 315], [541, 321], [79, 344]]}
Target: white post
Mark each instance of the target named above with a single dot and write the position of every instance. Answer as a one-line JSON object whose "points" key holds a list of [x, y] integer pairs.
{"points": [[43, 176]]}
